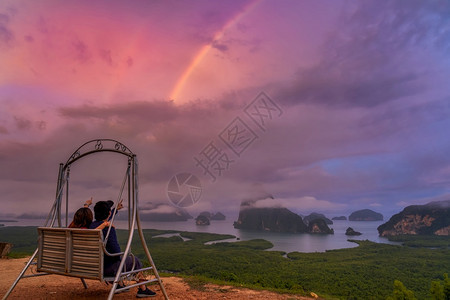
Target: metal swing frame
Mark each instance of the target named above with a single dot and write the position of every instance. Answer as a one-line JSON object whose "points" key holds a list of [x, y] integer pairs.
{"points": [[79, 252]]}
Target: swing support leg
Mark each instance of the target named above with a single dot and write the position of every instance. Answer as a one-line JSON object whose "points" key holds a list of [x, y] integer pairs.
{"points": [[20, 275], [84, 283]]}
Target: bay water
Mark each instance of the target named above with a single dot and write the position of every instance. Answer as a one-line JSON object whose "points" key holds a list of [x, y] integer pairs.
{"points": [[287, 242]]}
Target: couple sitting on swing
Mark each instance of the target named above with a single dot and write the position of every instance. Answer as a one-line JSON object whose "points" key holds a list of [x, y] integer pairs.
{"points": [[83, 219]]}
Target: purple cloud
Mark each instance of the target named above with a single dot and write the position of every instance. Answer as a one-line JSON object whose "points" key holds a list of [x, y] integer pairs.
{"points": [[3, 130], [219, 46], [106, 56], [130, 61], [22, 123], [371, 57], [82, 53], [29, 38], [6, 34]]}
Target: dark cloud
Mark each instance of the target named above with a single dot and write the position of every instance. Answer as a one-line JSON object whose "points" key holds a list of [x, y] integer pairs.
{"points": [[6, 34], [130, 61], [329, 86], [106, 56], [82, 53], [26, 124], [253, 45], [370, 58], [21, 164], [41, 125], [152, 112], [392, 120], [3, 130], [42, 26], [29, 38], [172, 130], [213, 20], [219, 46], [216, 17], [163, 135], [22, 123], [289, 158]]}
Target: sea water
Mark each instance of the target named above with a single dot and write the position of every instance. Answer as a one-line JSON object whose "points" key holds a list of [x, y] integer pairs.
{"points": [[287, 242]]}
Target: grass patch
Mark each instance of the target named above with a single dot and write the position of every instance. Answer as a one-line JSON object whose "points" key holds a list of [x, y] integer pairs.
{"points": [[420, 241], [196, 283], [257, 244]]}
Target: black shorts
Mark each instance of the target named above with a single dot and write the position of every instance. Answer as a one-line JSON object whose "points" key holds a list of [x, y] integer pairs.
{"points": [[128, 266]]}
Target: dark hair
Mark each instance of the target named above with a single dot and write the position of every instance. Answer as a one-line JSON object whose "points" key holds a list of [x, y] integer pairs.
{"points": [[82, 218], [101, 210], [110, 203]]}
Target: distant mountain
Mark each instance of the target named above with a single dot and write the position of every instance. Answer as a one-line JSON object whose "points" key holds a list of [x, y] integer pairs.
{"points": [[274, 219], [202, 220], [365, 215], [162, 215], [206, 214], [314, 216], [32, 216], [319, 226], [278, 219], [218, 216], [429, 219], [351, 231], [260, 213], [341, 218]]}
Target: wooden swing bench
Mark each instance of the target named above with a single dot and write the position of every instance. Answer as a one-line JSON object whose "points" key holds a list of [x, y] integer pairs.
{"points": [[76, 252], [71, 251]]}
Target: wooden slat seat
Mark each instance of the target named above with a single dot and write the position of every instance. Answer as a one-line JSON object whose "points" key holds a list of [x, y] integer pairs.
{"points": [[71, 252]]}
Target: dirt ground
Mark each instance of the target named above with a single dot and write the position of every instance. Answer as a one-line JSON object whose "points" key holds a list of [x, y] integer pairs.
{"points": [[61, 287]]}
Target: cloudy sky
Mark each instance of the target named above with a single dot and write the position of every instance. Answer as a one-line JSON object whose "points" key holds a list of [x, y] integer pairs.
{"points": [[356, 110]]}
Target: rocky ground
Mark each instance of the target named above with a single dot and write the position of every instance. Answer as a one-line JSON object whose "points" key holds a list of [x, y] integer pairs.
{"points": [[61, 287]]}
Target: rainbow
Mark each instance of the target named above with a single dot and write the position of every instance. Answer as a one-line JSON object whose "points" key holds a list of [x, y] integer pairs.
{"points": [[206, 48]]}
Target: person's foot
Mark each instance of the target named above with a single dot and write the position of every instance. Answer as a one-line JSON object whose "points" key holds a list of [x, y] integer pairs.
{"points": [[119, 286], [145, 293]]}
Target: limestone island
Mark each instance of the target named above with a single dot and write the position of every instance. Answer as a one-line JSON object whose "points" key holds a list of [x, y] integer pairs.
{"points": [[429, 219], [218, 216], [365, 215], [202, 220], [276, 219], [162, 213], [314, 216], [351, 231]]}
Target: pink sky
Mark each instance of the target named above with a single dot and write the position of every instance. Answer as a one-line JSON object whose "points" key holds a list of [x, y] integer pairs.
{"points": [[363, 89]]}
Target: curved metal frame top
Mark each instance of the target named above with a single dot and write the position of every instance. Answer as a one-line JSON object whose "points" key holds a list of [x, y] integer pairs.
{"points": [[98, 145], [90, 147]]}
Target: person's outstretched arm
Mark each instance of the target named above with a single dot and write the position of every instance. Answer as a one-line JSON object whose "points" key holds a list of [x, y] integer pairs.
{"points": [[114, 211], [103, 225], [88, 203]]}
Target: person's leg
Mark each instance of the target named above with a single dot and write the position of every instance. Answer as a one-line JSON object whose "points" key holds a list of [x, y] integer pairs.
{"points": [[143, 291], [111, 271]]}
